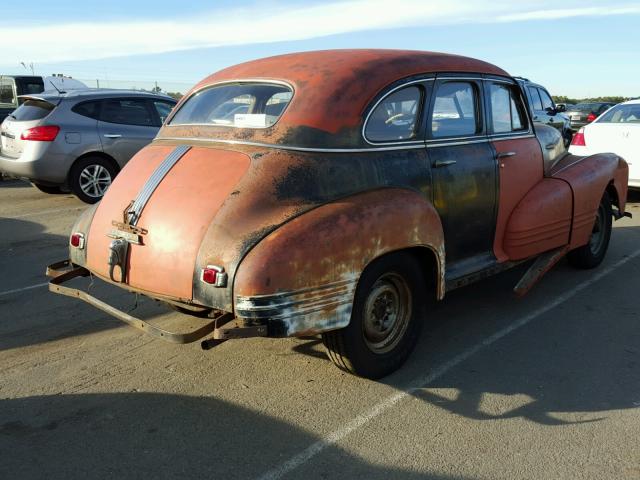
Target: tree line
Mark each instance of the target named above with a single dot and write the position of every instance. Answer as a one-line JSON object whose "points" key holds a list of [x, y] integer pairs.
{"points": [[611, 99]]}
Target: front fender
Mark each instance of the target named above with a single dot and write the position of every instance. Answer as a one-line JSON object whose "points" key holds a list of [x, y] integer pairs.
{"points": [[302, 277]]}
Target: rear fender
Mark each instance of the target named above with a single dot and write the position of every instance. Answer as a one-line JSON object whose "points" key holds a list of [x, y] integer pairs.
{"points": [[589, 178], [302, 277]]}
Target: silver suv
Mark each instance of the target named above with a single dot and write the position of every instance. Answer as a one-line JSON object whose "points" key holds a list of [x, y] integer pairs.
{"points": [[79, 140]]}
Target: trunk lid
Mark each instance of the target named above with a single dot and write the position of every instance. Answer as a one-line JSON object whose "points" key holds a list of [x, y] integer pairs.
{"points": [[28, 115], [177, 215]]}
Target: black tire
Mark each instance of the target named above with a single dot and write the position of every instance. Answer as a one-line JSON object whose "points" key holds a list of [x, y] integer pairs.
{"points": [[567, 137], [90, 177], [355, 348], [591, 255], [47, 189]]}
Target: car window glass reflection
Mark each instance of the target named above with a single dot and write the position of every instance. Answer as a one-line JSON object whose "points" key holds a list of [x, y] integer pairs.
{"points": [[395, 118], [454, 110]]}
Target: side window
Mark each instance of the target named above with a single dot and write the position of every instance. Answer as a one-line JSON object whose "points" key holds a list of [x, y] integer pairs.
{"points": [[126, 111], [535, 98], [507, 111], [88, 109], [396, 116], [163, 109], [455, 111], [546, 99], [6, 93]]}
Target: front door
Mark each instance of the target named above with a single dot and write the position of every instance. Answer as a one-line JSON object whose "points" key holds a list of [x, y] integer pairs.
{"points": [[464, 173]]}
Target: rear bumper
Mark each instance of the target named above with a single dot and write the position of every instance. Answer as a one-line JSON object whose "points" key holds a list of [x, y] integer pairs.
{"points": [[39, 169], [64, 271]]}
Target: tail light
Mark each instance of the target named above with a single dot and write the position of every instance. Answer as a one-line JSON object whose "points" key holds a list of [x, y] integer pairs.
{"points": [[578, 139], [591, 117], [214, 275], [45, 133], [77, 240]]}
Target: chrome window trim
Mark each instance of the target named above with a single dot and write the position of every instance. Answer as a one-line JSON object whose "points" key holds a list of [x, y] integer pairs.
{"points": [[372, 109], [294, 148], [228, 82], [450, 143]]}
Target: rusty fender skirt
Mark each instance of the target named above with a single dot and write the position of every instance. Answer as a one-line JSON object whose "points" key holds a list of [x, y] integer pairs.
{"points": [[301, 312], [64, 271]]}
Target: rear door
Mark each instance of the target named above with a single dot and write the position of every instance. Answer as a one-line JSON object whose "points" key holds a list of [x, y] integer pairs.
{"points": [[463, 169], [126, 125], [517, 151]]}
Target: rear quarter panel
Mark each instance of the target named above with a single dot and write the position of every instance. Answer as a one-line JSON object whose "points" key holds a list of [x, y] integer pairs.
{"points": [[310, 266]]}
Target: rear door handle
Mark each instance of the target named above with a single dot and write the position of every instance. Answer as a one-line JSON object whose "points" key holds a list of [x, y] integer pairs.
{"points": [[112, 135], [550, 146], [505, 154]]}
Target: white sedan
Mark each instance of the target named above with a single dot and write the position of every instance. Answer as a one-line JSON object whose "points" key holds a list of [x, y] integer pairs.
{"points": [[617, 130]]}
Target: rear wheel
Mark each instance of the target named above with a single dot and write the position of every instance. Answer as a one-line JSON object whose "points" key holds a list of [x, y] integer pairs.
{"points": [[90, 178], [592, 254], [388, 311]]}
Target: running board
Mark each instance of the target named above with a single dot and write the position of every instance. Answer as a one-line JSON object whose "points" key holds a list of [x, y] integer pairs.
{"points": [[541, 265]]}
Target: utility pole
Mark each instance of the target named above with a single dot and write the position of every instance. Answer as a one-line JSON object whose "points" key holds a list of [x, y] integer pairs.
{"points": [[97, 83]]}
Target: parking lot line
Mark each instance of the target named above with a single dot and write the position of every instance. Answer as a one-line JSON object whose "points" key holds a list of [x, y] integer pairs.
{"points": [[422, 381], [44, 212], [23, 289]]}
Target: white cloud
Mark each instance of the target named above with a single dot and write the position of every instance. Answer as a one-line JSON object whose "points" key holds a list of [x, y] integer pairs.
{"points": [[261, 24]]}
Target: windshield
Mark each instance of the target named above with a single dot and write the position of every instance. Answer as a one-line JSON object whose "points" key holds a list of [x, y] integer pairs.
{"points": [[247, 105], [622, 114]]}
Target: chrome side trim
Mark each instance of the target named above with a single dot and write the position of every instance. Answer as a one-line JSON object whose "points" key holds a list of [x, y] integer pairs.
{"points": [[497, 138], [154, 180], [453, 143], [292, 148], [371, 110]]}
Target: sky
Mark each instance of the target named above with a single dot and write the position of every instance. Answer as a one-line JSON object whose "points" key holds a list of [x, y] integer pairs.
{"points": [[576, 48]]}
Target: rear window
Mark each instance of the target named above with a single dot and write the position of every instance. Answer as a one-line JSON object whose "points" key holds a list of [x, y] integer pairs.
{"points": [[7, 99], [586, 107], [622, 114], [32, 110], [247, 105], [88, 109]]}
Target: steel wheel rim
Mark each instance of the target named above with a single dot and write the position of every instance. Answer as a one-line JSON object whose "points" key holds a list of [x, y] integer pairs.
{"points": [[597, 235], [387, 311], [94, 180]]}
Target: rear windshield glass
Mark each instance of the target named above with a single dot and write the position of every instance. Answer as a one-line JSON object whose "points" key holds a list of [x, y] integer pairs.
{"points": [[247, 105], [586, 107], [32, 110], [629, 113]]}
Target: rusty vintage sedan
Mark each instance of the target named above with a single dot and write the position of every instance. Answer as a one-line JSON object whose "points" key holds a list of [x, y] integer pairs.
{"points": [[341, 193]]}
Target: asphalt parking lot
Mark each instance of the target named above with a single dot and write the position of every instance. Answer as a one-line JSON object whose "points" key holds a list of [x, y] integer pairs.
{"points": [[544, 387]]}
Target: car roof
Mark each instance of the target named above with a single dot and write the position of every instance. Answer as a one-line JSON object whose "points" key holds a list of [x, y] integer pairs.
{"points": [[93, 93], [334, 87]]}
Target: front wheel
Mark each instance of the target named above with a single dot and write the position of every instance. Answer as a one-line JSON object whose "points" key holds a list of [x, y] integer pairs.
{"points": [[90, 178], [592, 254], [388, 311]]}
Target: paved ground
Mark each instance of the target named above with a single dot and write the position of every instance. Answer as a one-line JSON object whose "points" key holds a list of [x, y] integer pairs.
{"points": [[544, 387]]}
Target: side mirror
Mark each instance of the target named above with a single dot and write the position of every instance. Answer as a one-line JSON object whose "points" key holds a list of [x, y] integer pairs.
{"points": [[551, 111], [561, 108]]}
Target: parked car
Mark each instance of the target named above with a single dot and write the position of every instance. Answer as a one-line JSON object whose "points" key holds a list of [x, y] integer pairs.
{"points": [[563, 107], [12, 86], [544, 110], [353, 189], [79, 139], [618, 131], [585, 113]]}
